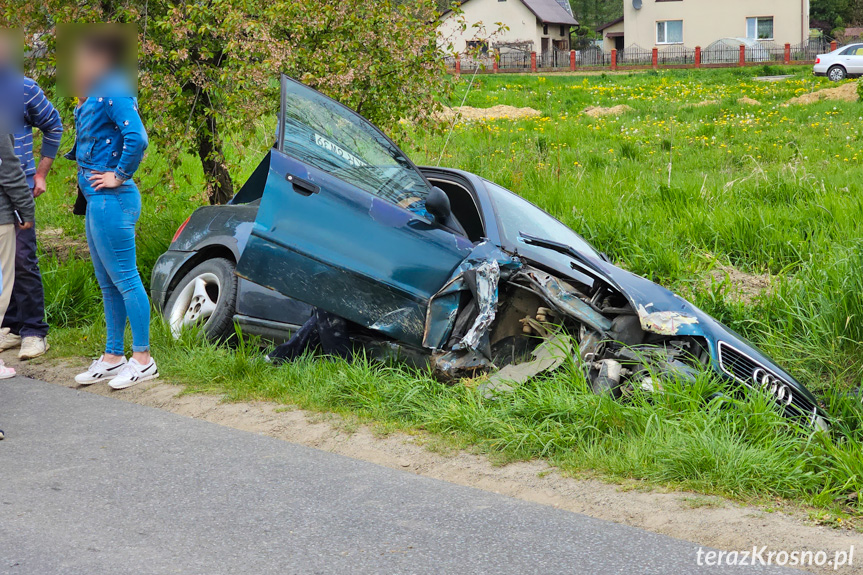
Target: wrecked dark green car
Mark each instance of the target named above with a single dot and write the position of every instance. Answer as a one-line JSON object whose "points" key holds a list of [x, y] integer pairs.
{"points": [[435, 263]]}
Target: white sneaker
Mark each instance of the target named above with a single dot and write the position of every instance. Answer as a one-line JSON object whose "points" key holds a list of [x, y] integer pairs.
{"points": [[6, 372], [33, 346], [100, 371], [8, 340], [134, 373]]}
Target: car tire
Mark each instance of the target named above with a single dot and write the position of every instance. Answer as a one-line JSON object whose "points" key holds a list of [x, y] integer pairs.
{"points": [[837, 73], [207, 297]]}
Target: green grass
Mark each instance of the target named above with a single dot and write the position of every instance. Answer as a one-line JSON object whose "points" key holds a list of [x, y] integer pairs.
{"points": [[763, 188]]}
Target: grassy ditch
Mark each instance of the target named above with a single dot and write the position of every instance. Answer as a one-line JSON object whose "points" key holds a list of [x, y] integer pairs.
{"points": [[706, 182]]}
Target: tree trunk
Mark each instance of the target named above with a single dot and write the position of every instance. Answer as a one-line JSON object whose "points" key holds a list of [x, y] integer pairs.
{"points": [[220, 187]]}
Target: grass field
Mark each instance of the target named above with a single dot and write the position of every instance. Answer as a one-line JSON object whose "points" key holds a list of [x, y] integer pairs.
{"points": [[686, 187]]}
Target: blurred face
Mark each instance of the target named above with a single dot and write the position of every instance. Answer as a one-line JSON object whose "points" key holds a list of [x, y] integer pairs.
{"points": [[11, 94], [8, 53], [87, 53], [89, 66]]}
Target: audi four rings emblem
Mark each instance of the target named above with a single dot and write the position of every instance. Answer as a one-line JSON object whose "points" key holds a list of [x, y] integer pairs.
{"points": [[772, 384]]}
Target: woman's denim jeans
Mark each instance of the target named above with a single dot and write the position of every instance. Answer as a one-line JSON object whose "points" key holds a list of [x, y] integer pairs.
{"points": [[110, 223]]}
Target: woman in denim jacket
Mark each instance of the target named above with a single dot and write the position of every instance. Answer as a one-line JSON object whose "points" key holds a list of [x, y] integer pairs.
{"points": [[110, 143]]}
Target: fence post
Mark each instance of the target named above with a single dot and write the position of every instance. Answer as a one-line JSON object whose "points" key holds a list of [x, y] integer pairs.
{"points": [[742, 61], [572, 60], [457, 65], [533, 61], [655, 58], [787, 54], [494, 64], [613, 60], [833, 45], [698, 56]]}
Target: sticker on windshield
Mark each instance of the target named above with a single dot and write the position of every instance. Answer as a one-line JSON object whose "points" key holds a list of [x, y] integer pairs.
{"points": [[339, 151]]}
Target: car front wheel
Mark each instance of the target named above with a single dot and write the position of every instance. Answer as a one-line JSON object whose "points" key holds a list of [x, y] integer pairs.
{"points": [[205, 297], [837, 73]]}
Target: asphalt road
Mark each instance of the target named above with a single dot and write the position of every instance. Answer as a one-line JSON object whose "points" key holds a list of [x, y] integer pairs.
{"points": [[92, 485]]}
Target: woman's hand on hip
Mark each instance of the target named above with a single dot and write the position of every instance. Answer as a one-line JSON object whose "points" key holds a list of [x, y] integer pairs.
{"points": [[103, 180]]}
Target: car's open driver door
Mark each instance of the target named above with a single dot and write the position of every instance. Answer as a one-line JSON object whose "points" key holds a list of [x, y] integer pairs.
{"points": [[342, 223]]}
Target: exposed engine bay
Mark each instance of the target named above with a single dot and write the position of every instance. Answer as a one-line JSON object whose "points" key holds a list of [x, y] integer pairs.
{"points": [[533, 322]]}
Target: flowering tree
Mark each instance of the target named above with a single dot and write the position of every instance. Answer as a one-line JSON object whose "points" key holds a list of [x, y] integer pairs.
{"points": [[209, 67]]}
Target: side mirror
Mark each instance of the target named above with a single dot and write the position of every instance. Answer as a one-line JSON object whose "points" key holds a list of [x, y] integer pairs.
{"points": [[437, 204]]}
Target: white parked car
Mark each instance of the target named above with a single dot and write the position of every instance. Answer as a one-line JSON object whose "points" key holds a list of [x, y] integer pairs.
{"points": [[841, 63]]}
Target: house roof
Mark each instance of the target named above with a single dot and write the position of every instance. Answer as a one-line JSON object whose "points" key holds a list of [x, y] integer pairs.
{"points": [[609, 24], [854, 32], [547, 11], [550, 12]]}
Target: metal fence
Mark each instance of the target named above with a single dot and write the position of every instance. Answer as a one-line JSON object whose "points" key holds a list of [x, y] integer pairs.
{"points": [[720, 53], [634, 56], [514, 60], [676, 56], [592, 58], [809, 50], [553, 59]]}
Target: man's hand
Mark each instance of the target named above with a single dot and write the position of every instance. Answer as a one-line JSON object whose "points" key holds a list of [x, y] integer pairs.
{"points": [[103, 180], [40, 185], [25, 226], [40, 179]]}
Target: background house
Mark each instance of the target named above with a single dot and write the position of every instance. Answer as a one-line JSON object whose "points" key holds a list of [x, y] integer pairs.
{"points": [[534, 25], [659, 23], [613, 35]]}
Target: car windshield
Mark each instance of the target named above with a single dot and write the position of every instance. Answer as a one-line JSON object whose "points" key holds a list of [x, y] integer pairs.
{"points": [[326, 135], [518, 217]]}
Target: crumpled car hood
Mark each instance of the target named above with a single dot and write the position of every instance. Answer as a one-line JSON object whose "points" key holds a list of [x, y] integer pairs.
{"points": [[663, 312]]}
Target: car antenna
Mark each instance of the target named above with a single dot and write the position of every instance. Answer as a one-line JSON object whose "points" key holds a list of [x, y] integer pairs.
{"points": [[455, 116]]}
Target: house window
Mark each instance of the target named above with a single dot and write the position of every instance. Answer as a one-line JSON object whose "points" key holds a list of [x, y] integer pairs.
{"points": [[477, 46], [545, 29], [669, 32], [760, 28]]}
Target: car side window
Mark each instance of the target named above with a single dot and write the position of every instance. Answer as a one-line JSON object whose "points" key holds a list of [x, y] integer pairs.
{"points": [[326, 135], [853, 51]]}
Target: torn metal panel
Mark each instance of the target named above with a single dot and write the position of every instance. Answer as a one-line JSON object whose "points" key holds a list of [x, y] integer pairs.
{"points": [[487, 275], [479, 275], [664, 322], [548, 356], [566, 299]]}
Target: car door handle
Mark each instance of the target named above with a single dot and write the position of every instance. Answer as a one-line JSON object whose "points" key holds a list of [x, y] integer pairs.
{"points": [[301, 186]]}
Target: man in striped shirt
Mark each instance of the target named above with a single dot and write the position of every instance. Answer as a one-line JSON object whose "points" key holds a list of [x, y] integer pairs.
{"points": [[24, 323]]}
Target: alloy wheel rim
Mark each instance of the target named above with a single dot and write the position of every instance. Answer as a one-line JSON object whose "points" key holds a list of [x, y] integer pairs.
{"points": [[196, 303]]}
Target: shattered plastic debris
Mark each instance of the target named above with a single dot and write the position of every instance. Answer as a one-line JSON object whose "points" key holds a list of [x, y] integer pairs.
{"points": [[663, 322], [548, 356]]}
